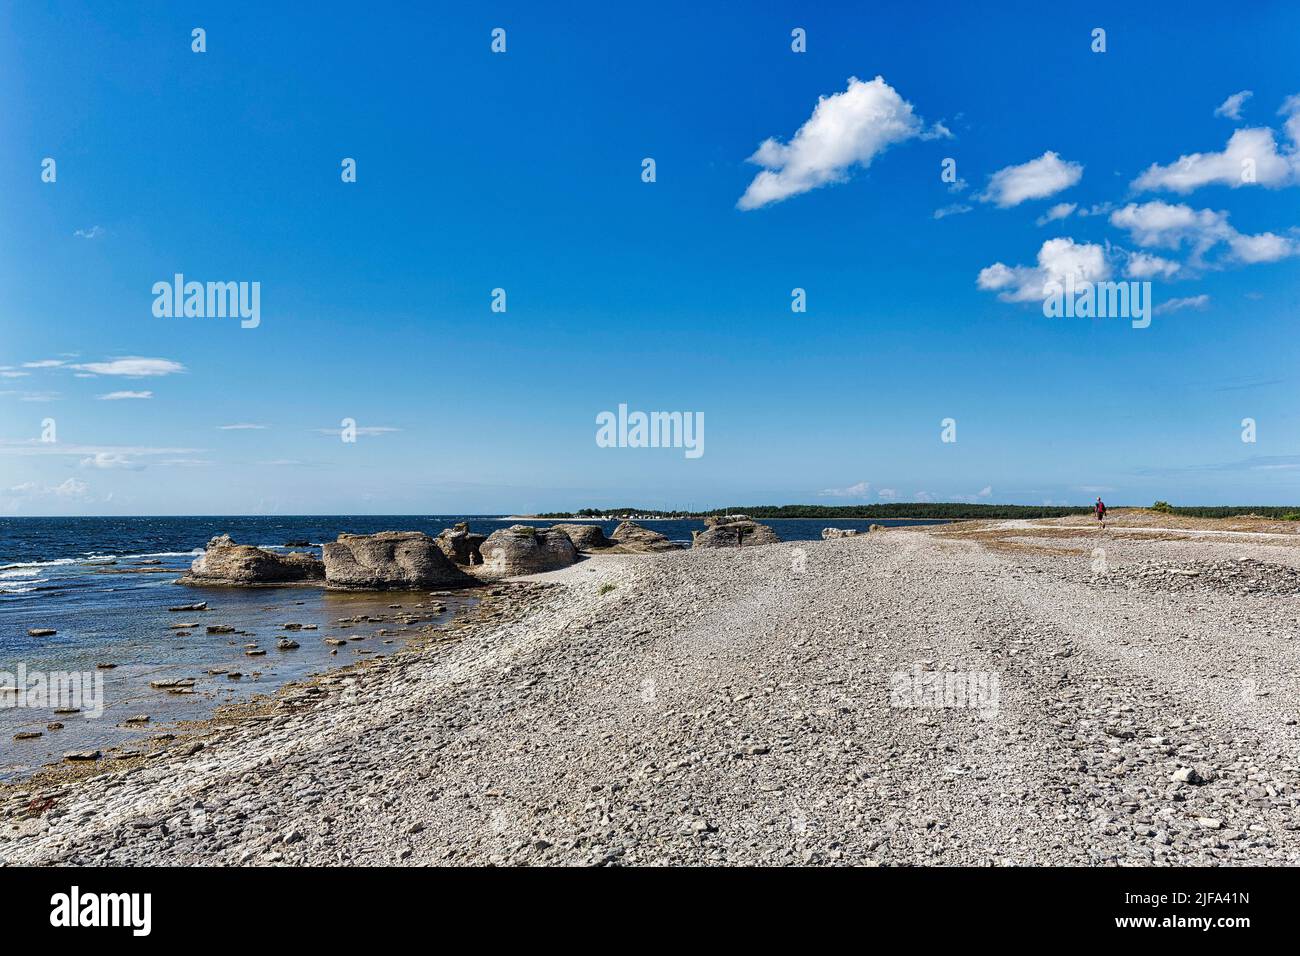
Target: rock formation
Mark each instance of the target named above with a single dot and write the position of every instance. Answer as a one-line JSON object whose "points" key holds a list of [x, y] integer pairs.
{"points": [[828, 533], [523, 549], [630, 536], [733, 531], [585, 537], [229, 564], [389, 561], [460, 544]]}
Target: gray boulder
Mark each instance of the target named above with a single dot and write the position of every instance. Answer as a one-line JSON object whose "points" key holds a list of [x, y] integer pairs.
{"points": [[523, 549], [226, 564], [733, 531], [585, 537], [460, 544], [829, 533], [389, 561], [630, 536]]}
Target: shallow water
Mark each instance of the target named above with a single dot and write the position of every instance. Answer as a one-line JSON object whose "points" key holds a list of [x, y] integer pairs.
{"points": [[105, 584]]}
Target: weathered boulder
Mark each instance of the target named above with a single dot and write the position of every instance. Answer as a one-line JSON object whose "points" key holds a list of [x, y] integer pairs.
{"points": [[523, 549], [460, 544], [224, 563], [389, 561], [630, 536], [733, 531], [828, 533], [585, 537]]}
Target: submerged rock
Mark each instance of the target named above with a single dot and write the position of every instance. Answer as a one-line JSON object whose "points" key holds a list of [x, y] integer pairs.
{"points": [[224, 563], [585, 537], [733, 531], [630, 536], [523, 549], [389, 560], [460, 544]]}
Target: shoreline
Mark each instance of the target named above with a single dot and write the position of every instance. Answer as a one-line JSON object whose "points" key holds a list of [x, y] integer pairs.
{"points": [[693, 707]]}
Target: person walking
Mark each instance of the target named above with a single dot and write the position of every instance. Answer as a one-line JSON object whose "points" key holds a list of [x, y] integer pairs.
{"points": [[1101, 512]]}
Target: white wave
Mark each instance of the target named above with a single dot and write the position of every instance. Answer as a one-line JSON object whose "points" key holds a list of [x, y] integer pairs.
{"points": [[37, 564]]}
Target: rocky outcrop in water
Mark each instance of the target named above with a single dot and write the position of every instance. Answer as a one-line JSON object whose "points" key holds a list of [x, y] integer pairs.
{"points": [[585, 537], [523, 549], [460, 544], [733, 531], [389, 561], [225, 563], [630, 536]]}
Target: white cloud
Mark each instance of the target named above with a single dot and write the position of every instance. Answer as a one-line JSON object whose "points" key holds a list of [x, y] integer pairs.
{"points": [[1231, 107], [1191, 302], [845, 130], [107, 460], [44, 363], [132, 366], [7, 372], [1060, 211], [860, 490], [1035, 179], [242, 426], [94, 232], [1265, 247], [1162, 225], [887, 493], [364, 430], [984, 492], [71, 488], [120, 396], [1251, 157], [1057, 258], [1143, 265], [956, 209]]}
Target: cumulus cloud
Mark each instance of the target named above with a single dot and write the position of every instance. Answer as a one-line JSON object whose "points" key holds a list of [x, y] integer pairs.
{"points": [[1175, 226], [132, 366], [1231, 107], [1144, 265], [846, 130], [1191, 302], [1060, 211], [860, 490], [1036, 179], [1057, 259], [121, 396], [1251, 157]]}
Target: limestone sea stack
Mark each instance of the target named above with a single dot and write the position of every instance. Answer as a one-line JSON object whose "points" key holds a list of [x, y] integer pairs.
{"points": [[523, 549], [390, 561], [460, 544], [224, 563], [585, 537], [733, 531], [630, 536]]}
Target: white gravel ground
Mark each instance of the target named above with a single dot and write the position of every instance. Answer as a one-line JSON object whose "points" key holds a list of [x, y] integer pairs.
{"points": [[735, 707]]}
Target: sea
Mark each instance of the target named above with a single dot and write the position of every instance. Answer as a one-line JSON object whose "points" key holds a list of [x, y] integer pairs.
{"points": [[104, 585]]}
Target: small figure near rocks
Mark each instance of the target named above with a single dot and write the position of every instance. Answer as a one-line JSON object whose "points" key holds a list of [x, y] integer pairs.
{"points": [[460, 544]]}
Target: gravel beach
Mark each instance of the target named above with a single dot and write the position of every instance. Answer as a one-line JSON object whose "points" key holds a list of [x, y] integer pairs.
{"points": [[738, 706]]}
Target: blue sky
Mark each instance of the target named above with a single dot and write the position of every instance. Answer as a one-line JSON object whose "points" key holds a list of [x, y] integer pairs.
{"points": [[522, 171]]}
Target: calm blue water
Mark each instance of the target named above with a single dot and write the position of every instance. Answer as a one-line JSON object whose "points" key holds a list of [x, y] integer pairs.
{"points": [[105, 585]]}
